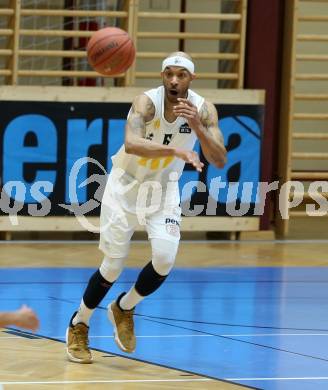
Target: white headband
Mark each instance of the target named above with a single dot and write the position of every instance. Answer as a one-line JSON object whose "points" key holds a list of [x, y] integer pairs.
{"points": [[179, 61]]}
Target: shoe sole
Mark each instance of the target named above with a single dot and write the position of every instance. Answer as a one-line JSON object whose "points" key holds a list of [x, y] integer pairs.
{"points": [[118, 342], [73, 359]]}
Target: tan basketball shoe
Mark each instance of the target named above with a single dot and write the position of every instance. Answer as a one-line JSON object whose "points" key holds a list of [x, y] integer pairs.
{"points": [[123, 324], [77, 343]]}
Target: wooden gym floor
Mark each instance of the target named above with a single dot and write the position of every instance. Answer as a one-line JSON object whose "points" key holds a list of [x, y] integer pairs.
{"points": [[40, 362]]}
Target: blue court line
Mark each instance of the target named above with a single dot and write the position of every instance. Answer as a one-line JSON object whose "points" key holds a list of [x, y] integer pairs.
{"points": [[146, 317], [226, 324], [213, 302], [238, 340]]}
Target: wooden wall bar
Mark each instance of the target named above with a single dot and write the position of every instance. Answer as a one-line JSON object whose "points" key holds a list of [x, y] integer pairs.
{"points": [[303, 114], [14, 49]]}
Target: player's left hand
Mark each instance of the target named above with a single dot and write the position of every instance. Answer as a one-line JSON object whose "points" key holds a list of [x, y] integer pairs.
{"points": [[188, 111]]}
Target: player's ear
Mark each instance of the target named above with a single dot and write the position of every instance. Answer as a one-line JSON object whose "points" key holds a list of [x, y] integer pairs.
{"points": [[192, 77]]}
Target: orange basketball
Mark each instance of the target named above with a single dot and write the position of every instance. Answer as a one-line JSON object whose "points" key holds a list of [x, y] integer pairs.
{"points": [[110, 51]]}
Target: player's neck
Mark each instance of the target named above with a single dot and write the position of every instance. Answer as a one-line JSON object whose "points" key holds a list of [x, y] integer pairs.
{"points": [[168, 110], [168, 105]]}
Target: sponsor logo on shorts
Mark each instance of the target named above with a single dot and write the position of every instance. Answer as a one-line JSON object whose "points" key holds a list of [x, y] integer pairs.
{"points": [[172, 226], [171, 221]]}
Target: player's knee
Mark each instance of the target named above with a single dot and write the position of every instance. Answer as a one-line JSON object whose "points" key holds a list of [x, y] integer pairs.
{"points": [[163, 255], [111, 268]]}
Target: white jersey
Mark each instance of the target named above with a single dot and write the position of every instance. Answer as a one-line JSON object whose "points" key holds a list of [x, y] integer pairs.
{"points": [[177, 134]]}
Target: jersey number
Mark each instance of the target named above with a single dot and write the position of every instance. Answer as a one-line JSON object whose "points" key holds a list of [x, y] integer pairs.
{"points": [[160, 162], [155, 163], [167, 139]]}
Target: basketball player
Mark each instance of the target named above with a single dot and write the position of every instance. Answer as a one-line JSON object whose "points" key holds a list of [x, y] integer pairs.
{"points": [[24, 317], [162, 127]]}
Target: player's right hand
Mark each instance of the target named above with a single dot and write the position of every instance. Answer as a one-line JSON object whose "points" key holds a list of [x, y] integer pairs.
{"points": [[190, 157], [26, 318]]}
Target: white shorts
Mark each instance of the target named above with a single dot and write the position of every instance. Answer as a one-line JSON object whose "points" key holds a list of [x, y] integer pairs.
{"points": [[118, 222]]}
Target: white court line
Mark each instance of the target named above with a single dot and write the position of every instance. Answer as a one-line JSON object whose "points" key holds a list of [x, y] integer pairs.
{"points": [[223, 335], [104, 381], [111, 336], [160, 380], [310, 378], [88, 242], [191, 335]]}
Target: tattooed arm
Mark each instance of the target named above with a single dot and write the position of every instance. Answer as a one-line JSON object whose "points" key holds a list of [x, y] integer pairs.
{"points": [[205, 125], [143, 111], [211, 138]]}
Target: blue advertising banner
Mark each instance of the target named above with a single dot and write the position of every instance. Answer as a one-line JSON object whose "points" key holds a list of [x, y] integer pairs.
{"points": [[41, 141]]}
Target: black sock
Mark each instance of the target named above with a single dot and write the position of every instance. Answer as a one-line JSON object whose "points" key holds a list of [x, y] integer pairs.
{"points": [[96, 290], [148, 280]]}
